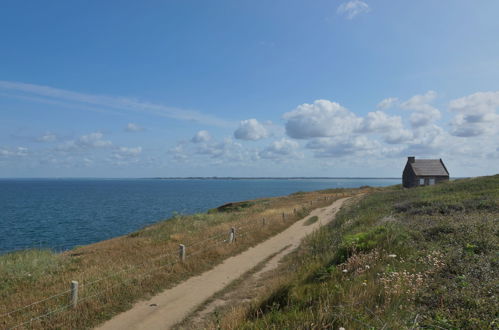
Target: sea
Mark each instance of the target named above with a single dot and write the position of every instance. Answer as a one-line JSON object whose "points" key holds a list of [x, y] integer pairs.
{"points": [[60, 214]]}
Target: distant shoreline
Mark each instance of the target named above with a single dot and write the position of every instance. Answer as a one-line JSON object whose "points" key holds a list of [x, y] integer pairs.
{"points": [[269, 178], [213, 178]]}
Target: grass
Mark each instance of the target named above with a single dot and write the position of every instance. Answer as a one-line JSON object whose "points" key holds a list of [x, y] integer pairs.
{"points": [[311, 220], [116, 273], [396, 259]]}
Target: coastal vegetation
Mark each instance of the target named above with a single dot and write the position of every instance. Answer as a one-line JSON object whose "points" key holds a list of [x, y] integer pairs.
{"points": [[113, 274], [393, 259]]}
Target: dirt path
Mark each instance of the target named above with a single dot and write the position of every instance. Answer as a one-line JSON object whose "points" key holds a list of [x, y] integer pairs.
{"points": [[173, 305]]}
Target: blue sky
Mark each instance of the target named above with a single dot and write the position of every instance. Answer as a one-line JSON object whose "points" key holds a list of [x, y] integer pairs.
{"points": [[247, 88]]}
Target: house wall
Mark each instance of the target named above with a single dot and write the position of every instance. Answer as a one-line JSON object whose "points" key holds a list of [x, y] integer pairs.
{"points": [[413, 180], [409, 178]]}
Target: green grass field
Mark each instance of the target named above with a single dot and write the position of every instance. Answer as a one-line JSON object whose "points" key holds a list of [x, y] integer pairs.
{"points": [[397, 259]]}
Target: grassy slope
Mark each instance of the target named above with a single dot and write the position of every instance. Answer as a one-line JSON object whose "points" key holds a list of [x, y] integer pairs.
{"points": [[425, 257], [115, 273]]}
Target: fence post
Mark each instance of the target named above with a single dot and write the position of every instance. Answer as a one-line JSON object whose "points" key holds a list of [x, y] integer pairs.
{"points": [[181, 252], [283, 216], [232, 235], [74, 293], [263, 221]]}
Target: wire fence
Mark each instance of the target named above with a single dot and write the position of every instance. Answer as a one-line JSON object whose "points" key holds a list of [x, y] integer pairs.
{"points": [[216, 239], [239, 232]]}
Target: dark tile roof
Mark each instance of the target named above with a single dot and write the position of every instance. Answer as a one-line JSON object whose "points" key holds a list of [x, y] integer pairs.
{"points": [[429, 167]]}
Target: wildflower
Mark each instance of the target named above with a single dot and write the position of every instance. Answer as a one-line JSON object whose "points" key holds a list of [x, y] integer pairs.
{"points": [[392, 255], [345, 271], [367, 267]]}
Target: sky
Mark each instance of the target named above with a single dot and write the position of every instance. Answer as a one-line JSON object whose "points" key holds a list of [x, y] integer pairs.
{"points": [[247, 88]]}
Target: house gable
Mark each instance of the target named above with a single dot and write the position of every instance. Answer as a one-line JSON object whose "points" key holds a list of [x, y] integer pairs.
{"points": [[422, 172]]}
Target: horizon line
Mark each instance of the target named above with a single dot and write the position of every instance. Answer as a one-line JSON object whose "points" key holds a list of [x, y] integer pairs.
{"points": [[199, 177]]}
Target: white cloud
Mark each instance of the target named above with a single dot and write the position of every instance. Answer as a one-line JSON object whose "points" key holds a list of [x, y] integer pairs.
{"points": [[423, 113], [387, 103], [132, 127], [281, 150], [179, 153], [378, 121], [323, 118], [67, 98], [13, 152], [129, 152], [226, 149], [89, 141], [126, 155], [202, 145], [476, 114], [390, 127], [353, 8], [251, 129], [201, 136], [87, 162], [329, 119], [47, 137], [343, 146], [93, 140]]}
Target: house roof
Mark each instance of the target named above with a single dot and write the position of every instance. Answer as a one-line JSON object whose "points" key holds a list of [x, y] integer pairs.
{"points": [[429, 167]]}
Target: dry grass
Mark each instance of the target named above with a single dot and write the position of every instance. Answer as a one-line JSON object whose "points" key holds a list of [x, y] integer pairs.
{"points": [[114, 274]]}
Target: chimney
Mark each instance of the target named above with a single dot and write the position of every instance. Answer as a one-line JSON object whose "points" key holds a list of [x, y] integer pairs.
{"points": [[411, 159]]}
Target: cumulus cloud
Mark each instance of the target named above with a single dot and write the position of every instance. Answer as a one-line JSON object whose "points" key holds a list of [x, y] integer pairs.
{"points": [[252, 130], [476, 114], [227, 149], [283, 149], [353, 8], [179, 153], [387, 103], [47, 137], [378, 121], [323, 118], [129, 152], [13, 152], [343, 146], [390, 127], [87, 162], [423, 113], [201, 137], [93, 140], [126, 155], [132, 127], [430, 140], [89, 141], [203, 145]]}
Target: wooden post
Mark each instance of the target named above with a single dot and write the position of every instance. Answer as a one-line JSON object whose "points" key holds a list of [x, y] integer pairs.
{"points": [[283, 216], [74, 293], [294, 211], [232, 235], [181, 252], [263, 221]]}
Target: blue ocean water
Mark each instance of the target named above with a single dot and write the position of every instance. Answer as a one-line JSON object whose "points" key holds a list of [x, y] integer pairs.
{"points": [[63, 213]]}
